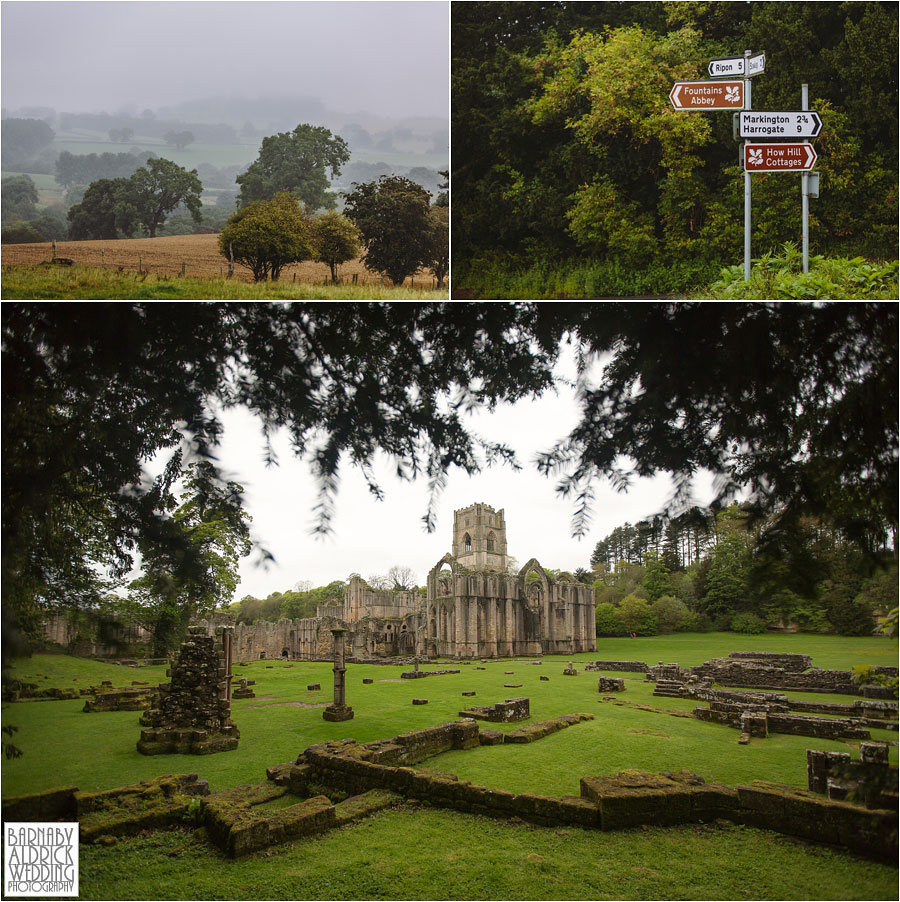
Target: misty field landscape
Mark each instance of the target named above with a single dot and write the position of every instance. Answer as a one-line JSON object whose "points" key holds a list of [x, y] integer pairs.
{"points": [[96, 156]]}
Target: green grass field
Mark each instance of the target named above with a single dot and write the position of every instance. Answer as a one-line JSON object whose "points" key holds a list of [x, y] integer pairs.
{"points": [[422, 854], [90, 283]]}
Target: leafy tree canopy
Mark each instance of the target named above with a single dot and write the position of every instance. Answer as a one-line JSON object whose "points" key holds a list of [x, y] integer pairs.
{"points": [[268, 235], [156, 189], [296, 162], [393, 216], [794, 404], [144, 200], [212, 524], [337, 240]]}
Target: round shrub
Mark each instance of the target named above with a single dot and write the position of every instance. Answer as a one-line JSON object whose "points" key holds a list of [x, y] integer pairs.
{"points": [[747, 623]]}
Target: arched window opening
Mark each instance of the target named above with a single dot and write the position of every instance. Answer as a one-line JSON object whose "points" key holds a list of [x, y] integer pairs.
{"points": [[490, 541], [467, 542]]}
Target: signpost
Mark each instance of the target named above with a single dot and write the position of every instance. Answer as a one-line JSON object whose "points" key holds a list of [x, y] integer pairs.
{"points": [[779, 124], [799, 157], [789, 155], [703, 96], [738, 65]]}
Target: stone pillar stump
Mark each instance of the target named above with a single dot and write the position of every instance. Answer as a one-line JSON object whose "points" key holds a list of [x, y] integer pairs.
{"points": [[339, 709]]}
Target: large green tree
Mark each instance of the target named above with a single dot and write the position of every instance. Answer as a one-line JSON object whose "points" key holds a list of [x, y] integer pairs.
{"points": [[112, 208], [393, 216], [296, 162], [158, 188], [19, 198], [104, 212], [267, 236], [337, 240], [213, 525]]}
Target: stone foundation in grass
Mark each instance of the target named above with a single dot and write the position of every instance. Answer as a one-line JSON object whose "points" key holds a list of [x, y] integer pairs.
{"points": [[135, 699], [629, 799], [510, 711], [610, 684]]}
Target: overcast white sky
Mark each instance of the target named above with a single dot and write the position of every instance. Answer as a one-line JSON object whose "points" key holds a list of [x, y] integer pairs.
{"points": [[389, 57], [371, 536]]}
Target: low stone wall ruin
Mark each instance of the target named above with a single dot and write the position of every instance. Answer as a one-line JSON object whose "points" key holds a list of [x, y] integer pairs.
{"points": [[134, 699], [630, 799], [509, 711], [622, 666]]}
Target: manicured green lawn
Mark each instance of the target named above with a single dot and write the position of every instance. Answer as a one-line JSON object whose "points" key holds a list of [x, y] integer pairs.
{"points": [[426, 853], [429, 854]]}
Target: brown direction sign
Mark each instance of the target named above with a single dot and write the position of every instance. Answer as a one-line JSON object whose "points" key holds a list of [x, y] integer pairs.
{"points": [[700, 96], [800, 157]]}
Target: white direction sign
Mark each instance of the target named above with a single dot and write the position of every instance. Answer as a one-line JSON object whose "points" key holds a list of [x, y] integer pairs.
{"points": [[780, 124], [737, 65]]}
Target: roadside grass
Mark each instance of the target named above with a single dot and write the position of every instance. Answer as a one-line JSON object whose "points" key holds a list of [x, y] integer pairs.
{"points": [[22, 282], [587, 279], [779, 276], [423, 853]]}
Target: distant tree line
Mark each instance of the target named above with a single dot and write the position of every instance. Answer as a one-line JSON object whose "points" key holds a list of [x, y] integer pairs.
{"points": [[702, 571]]}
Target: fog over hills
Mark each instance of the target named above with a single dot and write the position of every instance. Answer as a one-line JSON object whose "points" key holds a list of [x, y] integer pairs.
{"points": [[230, 61]]}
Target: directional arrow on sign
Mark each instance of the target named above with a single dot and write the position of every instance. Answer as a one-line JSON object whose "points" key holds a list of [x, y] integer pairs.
{"points": [[701, 96], [737, 65], [780, 124], [799, 157]]}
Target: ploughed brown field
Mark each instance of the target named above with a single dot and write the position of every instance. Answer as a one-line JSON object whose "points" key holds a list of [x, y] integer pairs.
{"points": [[199, 253]]}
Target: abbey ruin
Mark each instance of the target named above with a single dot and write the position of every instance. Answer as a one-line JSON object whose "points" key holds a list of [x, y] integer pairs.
{"points": [[473, 608]]}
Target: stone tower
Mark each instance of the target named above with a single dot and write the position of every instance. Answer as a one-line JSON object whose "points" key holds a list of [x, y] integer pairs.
{"points": [[479, 538]]}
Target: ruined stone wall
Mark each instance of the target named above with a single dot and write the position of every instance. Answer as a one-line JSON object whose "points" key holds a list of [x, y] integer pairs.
{"points": [[630, 799], [193, 714], [754, 673], [93, 635], [489, 615], [361, 600]]}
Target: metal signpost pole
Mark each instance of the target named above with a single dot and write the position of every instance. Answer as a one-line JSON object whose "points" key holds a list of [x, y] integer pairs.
{"points": [[804, 189], [747, 106]]}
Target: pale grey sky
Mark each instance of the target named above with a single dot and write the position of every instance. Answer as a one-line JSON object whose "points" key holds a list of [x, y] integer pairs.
{"points": [[370, 536], [388, 57]]}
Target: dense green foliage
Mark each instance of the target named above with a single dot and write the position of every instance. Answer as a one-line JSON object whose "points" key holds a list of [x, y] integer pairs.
{"points": [[267, 235], [118, 207], [567, 149], [779, 277], [337, 240], [213, 525], [392, 215], [296, 162], [23, 221], [701, 572], [297, 603]]}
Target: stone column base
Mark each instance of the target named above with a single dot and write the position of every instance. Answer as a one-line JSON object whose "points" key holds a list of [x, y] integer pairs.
{"points": [[336, 713]]}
